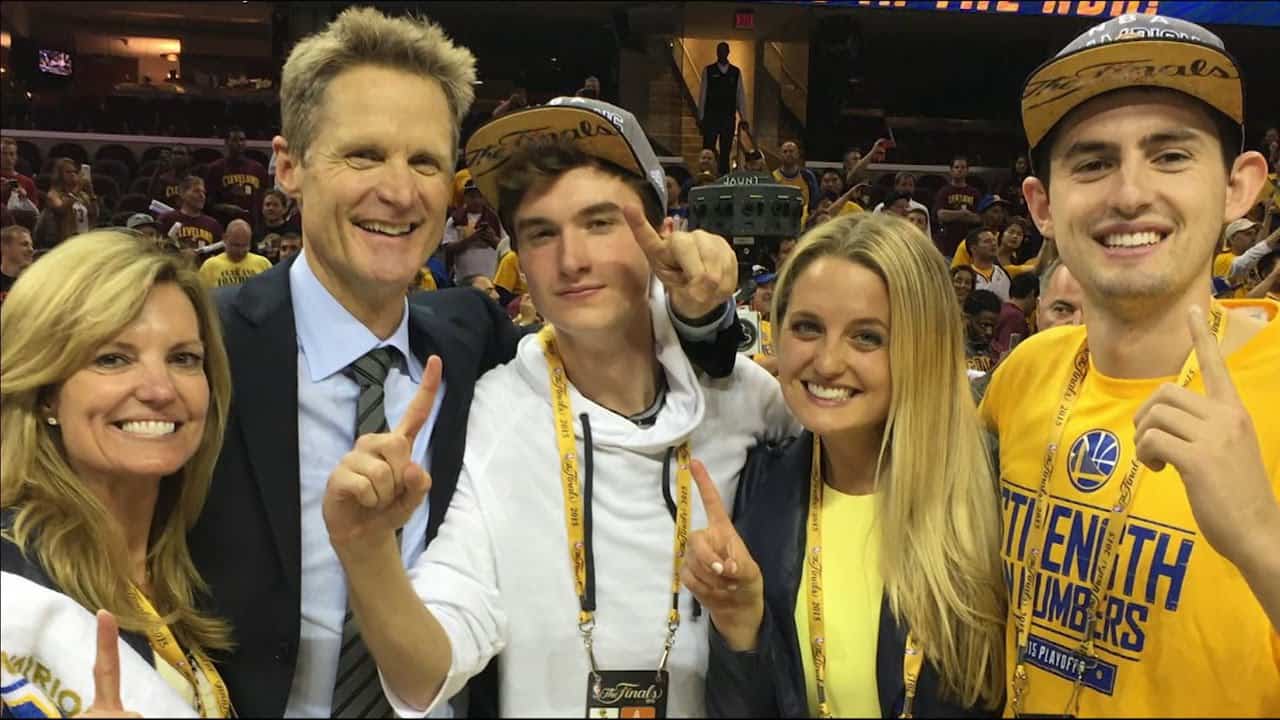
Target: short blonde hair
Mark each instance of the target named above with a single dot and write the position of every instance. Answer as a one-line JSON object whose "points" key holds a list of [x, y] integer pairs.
{"points": [[60, 312], [364, 36], [938, 512]]}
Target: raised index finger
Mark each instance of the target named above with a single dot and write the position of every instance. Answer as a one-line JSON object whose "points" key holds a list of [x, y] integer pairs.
{"points": [[1217, 380], [716, 515], [106, 667], [655, 246], [415, 416]]}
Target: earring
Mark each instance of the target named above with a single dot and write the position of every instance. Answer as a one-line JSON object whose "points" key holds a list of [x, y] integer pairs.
{"points": [[52, 420]]}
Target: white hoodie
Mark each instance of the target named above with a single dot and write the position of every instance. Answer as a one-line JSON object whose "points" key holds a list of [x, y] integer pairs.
{"points": [[498, 576]]}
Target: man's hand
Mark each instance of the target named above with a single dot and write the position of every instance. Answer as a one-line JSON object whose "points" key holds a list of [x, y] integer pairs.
{"points": [[699, 269], [721, 573], [377, 486], [106, 673], [1211, 441]]}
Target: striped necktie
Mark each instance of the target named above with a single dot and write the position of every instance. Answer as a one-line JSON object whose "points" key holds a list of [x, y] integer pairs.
{"points": [[357, 693]]}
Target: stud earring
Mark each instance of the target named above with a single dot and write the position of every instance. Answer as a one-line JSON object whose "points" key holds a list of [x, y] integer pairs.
{"points": [[52, 420]]}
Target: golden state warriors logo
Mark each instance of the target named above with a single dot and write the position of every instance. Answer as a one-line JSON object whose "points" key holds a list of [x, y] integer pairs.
{"points": [[1092, 459]]}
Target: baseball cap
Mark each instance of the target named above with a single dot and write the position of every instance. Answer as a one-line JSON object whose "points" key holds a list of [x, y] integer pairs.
{"points": [[595, 127], [1238, 226], [990, 200], [1135, 50], [761, 275], [469, 186], [137, 220]]}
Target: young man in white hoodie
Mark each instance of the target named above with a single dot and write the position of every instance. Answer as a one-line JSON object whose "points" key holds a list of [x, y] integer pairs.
{"points": [[561, 549]]}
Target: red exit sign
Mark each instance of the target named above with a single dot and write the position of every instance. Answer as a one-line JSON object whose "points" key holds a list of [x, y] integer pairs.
{"points": [[744, 20]]}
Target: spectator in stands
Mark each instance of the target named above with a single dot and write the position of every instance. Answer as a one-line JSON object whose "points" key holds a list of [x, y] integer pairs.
{"points": [[905, 183], [707, 165], [166, 183], [981, 315], [762, 302], [1269, 269], [71, 207], [471, 236], [14, 181], [145, 224], [269, 247], [1243, 267], [791, 171], [831, 185], [509, 278], [963, 278], [994, 211], [722, 101], [898, 203], [1019, 169], [1061, 300], [590, 87], [677, 207], [275, 217], [237, 179], [290, 245], [1007, 249], [855, 163], [482, 283], [753, 161], [17, 252], [981, 244], [920, 218], [1013, 326], [236, 263], [785, 246], [1237, 237], [954, 206], [518, 100], [196, 229]]}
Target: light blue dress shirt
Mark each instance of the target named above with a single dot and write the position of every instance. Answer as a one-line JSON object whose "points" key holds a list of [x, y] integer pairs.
{"points": [[330, 339]]}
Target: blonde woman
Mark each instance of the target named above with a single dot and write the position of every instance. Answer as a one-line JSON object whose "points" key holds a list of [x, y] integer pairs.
{"points": [[115, 388], [863, 577], [70, 207]]}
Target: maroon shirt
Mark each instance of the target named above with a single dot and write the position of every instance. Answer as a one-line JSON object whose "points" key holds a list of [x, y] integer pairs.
{"points": [[237, 182], [950, 197], [1012, 320], [164, 187], [196, 231], [27, 184]]}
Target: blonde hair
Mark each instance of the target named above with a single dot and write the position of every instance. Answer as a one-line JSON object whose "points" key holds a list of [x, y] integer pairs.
{"points": [[62, 310], [939, 514], [364, 36], [55, 173]]}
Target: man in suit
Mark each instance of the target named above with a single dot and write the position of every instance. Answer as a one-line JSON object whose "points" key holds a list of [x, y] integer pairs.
{"points": [[721, 99], [325, 346]]}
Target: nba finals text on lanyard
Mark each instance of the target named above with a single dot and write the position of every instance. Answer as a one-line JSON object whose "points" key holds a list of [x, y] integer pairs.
{"points": [[913, 653], [577, 497], [1086, 653]]}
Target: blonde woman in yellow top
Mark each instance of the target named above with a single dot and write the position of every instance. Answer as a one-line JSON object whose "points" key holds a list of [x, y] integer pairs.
{"points": [[115, 389], [863, 576]]}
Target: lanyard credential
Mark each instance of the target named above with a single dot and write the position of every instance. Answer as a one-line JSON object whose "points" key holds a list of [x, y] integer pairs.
{"points": [[577, 501], [913, 653], [166, 646], [1086, 653]]}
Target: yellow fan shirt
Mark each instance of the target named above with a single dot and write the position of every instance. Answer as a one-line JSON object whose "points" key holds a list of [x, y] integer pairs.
{"points": [[1183, 634], [852, 591]]}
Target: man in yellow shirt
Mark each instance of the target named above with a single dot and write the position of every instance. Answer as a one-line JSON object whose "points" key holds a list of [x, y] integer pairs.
{"points": [[1139, 473], [235, 264], [1238, 236]]}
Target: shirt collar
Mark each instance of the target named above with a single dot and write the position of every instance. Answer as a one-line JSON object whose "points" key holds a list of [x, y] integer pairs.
{"points": [[330, 337]]}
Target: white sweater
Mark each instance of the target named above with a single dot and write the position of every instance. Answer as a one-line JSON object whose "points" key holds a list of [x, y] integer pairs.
{"points": [[498, 575]]}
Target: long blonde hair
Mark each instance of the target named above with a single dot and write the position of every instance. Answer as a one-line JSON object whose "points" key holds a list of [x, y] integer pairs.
{"points": [[59, 313], [937, 499]]}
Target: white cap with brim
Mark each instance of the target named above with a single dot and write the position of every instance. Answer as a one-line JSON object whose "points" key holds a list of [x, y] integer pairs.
{"points": [[597, 128], [1239, 225], [1133, 51]]}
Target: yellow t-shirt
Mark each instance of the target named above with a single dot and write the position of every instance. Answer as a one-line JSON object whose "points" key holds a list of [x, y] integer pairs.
{"points": [[852, 591], [508, 274], [1222, 264], [220, 271], [1185, 635], [766, 340], [460, 179], [850, 208], [962, 256]]}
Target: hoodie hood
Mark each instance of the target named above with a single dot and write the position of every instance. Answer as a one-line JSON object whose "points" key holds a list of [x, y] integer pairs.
{"points": [[682, 409]]}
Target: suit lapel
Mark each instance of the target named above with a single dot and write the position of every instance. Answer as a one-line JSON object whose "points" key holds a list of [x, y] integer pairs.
{"points": [[265, 378], [430, 334]]}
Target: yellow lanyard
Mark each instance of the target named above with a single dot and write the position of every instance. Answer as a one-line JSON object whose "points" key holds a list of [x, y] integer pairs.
{"points": [[913, 653], [166, 646], [576, 498], [1117, 519]]}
